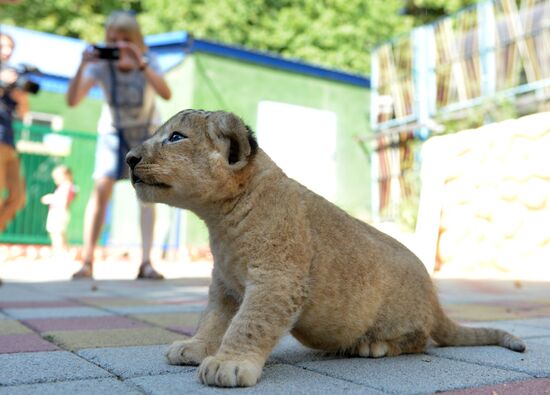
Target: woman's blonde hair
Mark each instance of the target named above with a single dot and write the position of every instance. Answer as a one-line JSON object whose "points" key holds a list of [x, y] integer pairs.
{"points": [[125, 22]]}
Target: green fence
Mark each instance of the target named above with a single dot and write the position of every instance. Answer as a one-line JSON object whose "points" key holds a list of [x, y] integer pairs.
{"points": [[40, 149]]}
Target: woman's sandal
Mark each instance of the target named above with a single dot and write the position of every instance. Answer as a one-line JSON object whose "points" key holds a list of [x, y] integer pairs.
{"points": [[147, 271], [86, 271]]}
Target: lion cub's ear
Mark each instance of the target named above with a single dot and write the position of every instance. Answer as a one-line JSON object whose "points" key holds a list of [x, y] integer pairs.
{"points": [[232, 137]]}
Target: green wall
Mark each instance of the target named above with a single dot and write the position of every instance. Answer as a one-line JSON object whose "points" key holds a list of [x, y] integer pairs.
{"points": [[224, 84], [82, 118]]}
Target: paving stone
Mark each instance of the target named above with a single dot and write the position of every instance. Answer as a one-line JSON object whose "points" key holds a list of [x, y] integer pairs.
{"points": [[289, 350], [171, 319], [127, 362], [157, 309], [56, 312], [527, 387], [40, 367], [24, 342], [538, 322], [82, 323], [534, 361], [38, 304], [84, 289], [520, 328], [276, 379], [412, 374], [541, 340], [12, 327], [179, 301], [480, 312], [184, 330], [77, 340], [104, 301], [13, 293], [88, 387], [167, 293]]}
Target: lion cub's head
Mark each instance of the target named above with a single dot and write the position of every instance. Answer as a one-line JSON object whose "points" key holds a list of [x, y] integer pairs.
{"points": [[196, 158]]}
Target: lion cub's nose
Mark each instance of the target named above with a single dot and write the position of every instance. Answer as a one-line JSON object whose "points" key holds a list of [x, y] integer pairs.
{"points": [[132, 160]]}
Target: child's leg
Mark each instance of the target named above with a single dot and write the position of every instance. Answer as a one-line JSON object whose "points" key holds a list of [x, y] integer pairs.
{"points": [[59, 243], [147, 223]]}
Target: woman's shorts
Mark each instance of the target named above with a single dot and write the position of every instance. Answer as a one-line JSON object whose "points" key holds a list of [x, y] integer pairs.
{"points": [[110, 160], [107, 158]]}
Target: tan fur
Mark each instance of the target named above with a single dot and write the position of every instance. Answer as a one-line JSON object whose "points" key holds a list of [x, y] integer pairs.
{"points": [[285, 259]]}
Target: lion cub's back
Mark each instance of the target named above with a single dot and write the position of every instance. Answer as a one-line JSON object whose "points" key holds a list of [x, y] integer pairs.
{"points": [[357, 269]]}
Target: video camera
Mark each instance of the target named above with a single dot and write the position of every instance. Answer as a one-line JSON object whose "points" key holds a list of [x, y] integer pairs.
{"points": [[22, 82]]}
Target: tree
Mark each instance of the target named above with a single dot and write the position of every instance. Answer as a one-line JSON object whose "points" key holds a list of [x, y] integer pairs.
{"points": [[426, 11], [334, 33]]}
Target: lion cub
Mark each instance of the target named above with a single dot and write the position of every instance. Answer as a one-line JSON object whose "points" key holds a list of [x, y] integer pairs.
{"points": [[285, 259]]}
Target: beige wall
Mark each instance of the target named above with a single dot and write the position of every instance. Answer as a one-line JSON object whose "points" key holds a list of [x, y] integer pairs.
{"points": [[494, 197]]}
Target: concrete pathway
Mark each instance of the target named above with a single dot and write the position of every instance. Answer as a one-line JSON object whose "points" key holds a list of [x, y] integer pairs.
{"points": [[103, 337]]}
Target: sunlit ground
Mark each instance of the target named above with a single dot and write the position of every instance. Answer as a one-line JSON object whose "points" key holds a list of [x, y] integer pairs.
{"points": [[31, 263]]}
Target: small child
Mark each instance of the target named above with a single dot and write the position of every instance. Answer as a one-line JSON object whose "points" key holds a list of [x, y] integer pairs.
{"points": [[58, 212]]}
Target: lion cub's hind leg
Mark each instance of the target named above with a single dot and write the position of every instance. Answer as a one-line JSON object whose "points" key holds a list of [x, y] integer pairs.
{"points": [[410, 343]]}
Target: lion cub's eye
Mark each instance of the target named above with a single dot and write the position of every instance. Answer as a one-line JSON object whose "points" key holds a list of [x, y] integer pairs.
{"points": [[176, 136]]}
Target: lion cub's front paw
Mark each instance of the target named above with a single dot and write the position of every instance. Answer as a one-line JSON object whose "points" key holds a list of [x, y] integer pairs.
{"points": [[186, 352], [224, 372]]}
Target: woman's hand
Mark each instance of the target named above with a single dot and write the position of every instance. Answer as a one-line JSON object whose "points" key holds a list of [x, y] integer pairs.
{"points": [[88, 55], [8, 76], [131, 49]]}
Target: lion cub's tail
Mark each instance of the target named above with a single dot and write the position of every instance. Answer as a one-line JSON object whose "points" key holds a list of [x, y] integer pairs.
{"points": [[447, 333]]}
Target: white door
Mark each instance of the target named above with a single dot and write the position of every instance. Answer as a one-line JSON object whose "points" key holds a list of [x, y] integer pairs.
{"points": [[302, 141]]}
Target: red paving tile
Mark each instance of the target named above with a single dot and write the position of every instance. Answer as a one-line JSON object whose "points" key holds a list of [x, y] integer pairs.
{"points": [[26, 342], [527, 387], [181, 301], [184, 330], [82, 323], [38, 304]]}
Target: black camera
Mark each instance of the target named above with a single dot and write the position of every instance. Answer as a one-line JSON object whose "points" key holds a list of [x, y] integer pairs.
{"points": [[107, 52], [22, 82]]}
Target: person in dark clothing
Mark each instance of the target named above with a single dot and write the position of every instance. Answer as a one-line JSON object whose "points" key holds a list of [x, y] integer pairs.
{"points": [[12, 102]]}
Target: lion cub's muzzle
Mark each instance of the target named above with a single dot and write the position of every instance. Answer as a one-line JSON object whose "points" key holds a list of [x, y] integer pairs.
{"points": [[133, 160]]}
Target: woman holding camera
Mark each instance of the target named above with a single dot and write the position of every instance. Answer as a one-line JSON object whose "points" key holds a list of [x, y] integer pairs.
{"points": [[12, 102], [130, 83]]}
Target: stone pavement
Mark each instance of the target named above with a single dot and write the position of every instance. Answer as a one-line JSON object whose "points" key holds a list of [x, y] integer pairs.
{"points": [[98, 337]]}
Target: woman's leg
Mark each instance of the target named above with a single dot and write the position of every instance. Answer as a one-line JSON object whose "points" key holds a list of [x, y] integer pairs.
{"points": [[147, 222], [93, 221], [10, 179]]}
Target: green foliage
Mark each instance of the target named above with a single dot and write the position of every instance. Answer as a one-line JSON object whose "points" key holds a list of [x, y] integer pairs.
{"points": [[337, 33], [333, 33], [491, 110], [426, 11], [83, 19]]}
